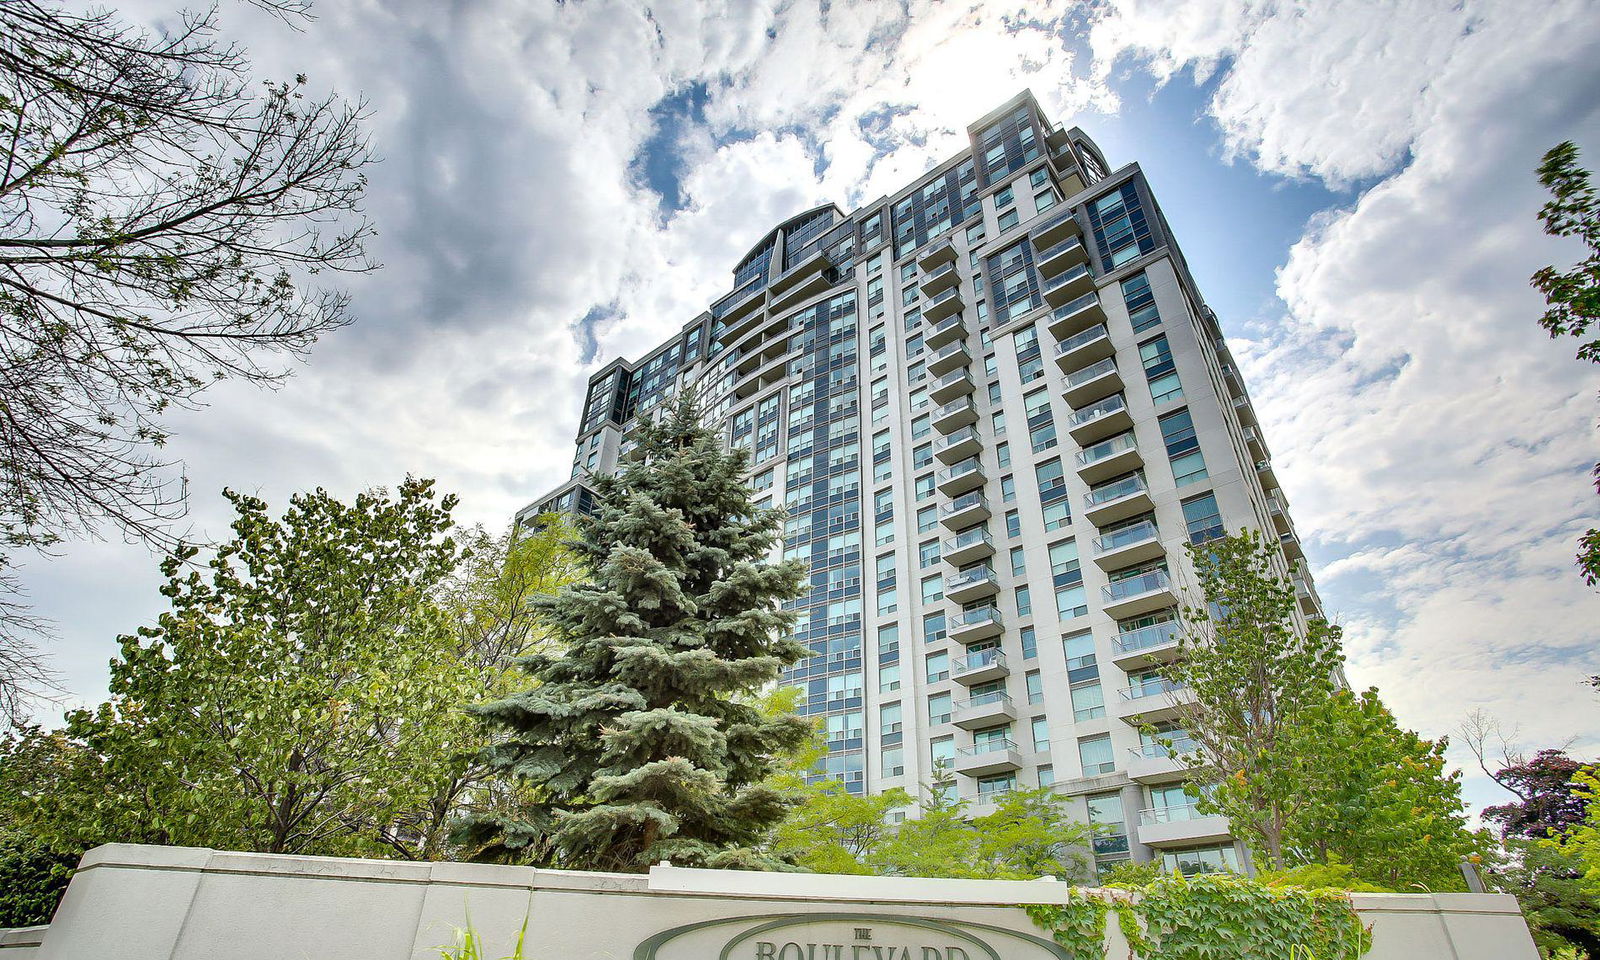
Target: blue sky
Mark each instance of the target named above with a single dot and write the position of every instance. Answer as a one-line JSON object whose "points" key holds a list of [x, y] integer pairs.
{"points": [[1351, 181]]}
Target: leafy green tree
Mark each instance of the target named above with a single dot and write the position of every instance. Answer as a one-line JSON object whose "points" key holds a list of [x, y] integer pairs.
{"points": [[1254, 672], [286, 702], [1561, 904], [1572, 297], [32, 879], [638, 738], [1378, 798], [833, 831]]}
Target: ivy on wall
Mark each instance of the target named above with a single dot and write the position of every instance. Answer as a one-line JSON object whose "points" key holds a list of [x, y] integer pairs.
{"points": [[1211, 917]]}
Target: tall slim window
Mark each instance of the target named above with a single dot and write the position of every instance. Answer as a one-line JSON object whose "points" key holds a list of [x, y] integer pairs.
{"points": [[1067, 577], [1041, 422], [1202, 518], [1160, 371], [1141, 302], [1183, 447]]}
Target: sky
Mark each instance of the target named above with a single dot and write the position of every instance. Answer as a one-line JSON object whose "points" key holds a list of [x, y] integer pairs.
{"points": [[1351, 182]]}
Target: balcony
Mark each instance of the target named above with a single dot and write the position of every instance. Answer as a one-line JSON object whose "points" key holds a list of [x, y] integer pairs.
{"points": [[941, 252], [1246, 411], [967, 546], [949, 357], [1109, 458], [1257, 445], [980, 666], [964, 476], [943, 305], [1180, 825], [1083, 348], [1268, 476], [942, 277], [957, 383], [1310, 602], [1068, 253], [960, 445], [970, 626], [1117, 500], [1280, 516], [810, 277], [1054, 228], [1095, 382], [993, 756], [946, 330], [1146, 646], [1077, 315], [1145, 593], [1099, 420], [955, 415], [984, 710], [1128, 545], [964, 511], [1152, 702], [1230, 376], [1291, 546], [1068, 285], [974, 583], [1153, 763], [738, 311]]}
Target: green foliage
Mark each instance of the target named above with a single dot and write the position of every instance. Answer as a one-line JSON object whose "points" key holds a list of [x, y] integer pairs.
{"points": [[469, 945], [1130, 874], [638, 741], [300, 696], [1212, 917], [1560, 903], [1379, 801], [32, 879], [1253, 672], [1333, 875], [1028, 834], [1572, 298]]}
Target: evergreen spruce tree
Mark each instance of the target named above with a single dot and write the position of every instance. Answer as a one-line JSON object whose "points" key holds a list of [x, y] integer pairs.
{"points": [[641, 739]]}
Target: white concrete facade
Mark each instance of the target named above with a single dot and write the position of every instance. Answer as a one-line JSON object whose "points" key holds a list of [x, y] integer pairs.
{"points": [[174, 903]]}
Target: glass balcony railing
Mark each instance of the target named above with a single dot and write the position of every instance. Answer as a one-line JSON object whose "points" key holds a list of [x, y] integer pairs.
{"points": [[1120, 443], [973, 618], [945, 324], [944, 296], [966, 578], [1079, 339], [960, 436], [1060, 248], [1151, 688], [970, 538], [985, 699], [953, 378], [978, 660], [971, 465], [1146, 638], [1126, 487], [949, 350], [939, 272], [1074, 305], [1134, 586], [955, 406], [1093, 371], [1181, 746], [1126, 536], [1173, 813], [1110, 405], [995, 745], [1072, 275], [964, 502]]}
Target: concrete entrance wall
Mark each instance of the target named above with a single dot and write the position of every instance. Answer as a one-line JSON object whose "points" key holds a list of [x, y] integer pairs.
{"points": [[174, 903]]}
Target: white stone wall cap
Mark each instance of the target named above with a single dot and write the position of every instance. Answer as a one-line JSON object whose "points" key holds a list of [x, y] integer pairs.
{"points": [[145, 855], [844, 887], [1435, 902]]}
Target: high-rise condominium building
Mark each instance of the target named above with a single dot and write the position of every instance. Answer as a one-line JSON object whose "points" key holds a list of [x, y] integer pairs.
{"points": [[995, 407]]}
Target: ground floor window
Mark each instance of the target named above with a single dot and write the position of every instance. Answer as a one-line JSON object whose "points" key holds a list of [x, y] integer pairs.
{"points": [[1194, 860]]}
